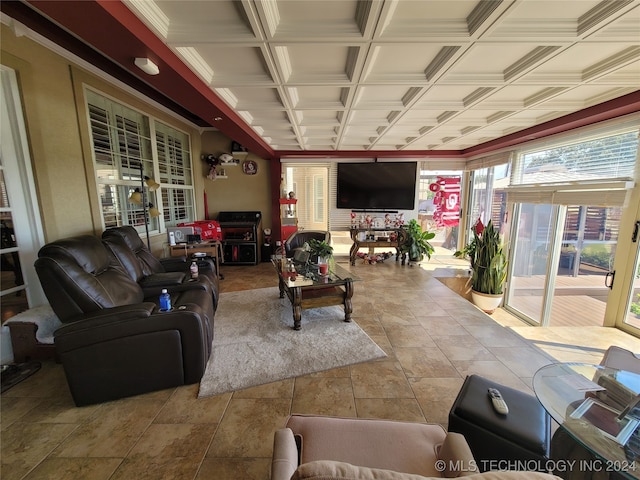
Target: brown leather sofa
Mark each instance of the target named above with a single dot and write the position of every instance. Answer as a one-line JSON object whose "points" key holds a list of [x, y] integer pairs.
{"points": [[116, 341], [154, 274]]}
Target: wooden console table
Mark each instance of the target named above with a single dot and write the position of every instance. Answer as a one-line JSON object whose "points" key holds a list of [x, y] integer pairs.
{"points": [[379, 240]]}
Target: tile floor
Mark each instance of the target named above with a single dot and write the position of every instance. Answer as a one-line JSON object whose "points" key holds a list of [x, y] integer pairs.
{"points": [[433, 338]]}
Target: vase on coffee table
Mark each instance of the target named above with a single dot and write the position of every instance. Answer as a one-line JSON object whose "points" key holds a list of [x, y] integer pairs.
{"points": [[323, 265]]}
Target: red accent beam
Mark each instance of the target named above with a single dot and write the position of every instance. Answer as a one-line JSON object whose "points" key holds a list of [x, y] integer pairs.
{"points": [[611, 109], [118, 37], [115, 32]]}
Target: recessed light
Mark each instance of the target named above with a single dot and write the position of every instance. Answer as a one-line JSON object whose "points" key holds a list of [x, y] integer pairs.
{"points": [[217, 119]]}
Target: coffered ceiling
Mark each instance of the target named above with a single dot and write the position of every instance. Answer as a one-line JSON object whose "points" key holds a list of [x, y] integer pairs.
{"points": [[386, 75]]}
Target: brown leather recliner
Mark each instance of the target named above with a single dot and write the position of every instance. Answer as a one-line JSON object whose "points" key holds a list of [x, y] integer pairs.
{"points": [[117, 342], [154, 274]]}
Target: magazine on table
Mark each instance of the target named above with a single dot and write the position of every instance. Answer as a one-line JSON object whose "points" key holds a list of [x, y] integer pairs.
{"points": [[606, 419]]}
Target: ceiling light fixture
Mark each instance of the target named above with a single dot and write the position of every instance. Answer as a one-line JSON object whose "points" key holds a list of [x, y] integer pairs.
{"points": [[147, 66]]}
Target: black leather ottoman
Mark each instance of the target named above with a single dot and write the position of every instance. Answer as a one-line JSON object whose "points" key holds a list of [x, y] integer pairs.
{"points": [[516, 441]]}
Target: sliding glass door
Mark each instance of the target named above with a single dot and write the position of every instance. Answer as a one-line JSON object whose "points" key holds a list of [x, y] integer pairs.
{"points": [[531, 246], [569, 200], [625, 278], [632, 317], [587, 251], [561, 258]]}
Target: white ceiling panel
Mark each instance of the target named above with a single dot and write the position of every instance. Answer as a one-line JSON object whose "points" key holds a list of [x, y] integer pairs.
{"points": [[402, 74]]}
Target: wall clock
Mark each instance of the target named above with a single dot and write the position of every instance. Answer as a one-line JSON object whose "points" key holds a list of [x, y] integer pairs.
{"points": [[249, 167]]}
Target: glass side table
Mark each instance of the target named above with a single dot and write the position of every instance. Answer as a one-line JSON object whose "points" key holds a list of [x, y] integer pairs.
{"points": [[597, 407]]}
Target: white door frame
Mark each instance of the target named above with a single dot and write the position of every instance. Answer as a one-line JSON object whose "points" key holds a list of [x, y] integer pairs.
{"points": [[16, 166]]}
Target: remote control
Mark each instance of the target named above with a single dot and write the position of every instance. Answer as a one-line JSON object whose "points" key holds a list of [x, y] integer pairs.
{"points": [[498, 403]]}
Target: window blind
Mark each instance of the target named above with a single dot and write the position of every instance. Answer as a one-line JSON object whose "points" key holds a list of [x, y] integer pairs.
{"points": [[488, 161], [604, 194], [339, 218], [609, 157], [598, 171]]}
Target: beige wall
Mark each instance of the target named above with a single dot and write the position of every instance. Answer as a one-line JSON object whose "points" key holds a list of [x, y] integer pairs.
{"points": [[239, 191], [52, 130], [53, 100]]}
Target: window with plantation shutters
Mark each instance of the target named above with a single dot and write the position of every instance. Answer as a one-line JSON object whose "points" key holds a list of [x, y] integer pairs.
{"points": [[123, 142], [174, 166]]}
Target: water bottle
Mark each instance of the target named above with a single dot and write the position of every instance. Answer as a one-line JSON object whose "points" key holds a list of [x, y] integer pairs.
{"points": [[165, 301], [194, 270]]}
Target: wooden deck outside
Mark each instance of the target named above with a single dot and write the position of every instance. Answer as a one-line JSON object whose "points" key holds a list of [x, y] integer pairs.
{"points": [[566, 310], [578, 301]]}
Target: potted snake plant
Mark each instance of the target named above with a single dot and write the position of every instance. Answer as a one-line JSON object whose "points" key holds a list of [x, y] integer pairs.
{"points": [[488, 267]]}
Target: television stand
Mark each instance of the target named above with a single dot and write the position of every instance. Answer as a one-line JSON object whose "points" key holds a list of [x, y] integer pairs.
{"points": [[372, 238]]}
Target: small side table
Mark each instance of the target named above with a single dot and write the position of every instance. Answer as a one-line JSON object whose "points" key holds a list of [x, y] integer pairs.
{"points": [[210, 249], [588, 401]]}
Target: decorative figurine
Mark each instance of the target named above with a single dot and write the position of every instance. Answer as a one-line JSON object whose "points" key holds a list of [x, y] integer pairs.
{"points": [[290, 209], [212, 173], [354, 220]]}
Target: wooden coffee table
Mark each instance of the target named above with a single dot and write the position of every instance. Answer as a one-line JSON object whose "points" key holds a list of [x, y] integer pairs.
{"points": [[305, 288]]}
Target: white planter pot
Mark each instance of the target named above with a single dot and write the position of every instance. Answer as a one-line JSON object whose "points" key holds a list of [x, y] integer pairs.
{"points": [[486, 302]]}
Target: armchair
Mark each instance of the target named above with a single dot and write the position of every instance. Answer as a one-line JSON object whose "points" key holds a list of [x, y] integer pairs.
{"points": [[115, 341], [154, 274], [297, 239], [365, 448]]}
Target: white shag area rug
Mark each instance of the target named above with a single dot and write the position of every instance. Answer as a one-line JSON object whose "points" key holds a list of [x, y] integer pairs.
{"points": [[254, 342]]}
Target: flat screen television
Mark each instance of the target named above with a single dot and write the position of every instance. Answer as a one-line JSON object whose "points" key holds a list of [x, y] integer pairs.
{"points": [[376, 185]]}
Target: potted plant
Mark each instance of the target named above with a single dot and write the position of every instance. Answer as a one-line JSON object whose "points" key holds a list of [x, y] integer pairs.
{"points": [[321, 252], [417, 244], [489, 267]]}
